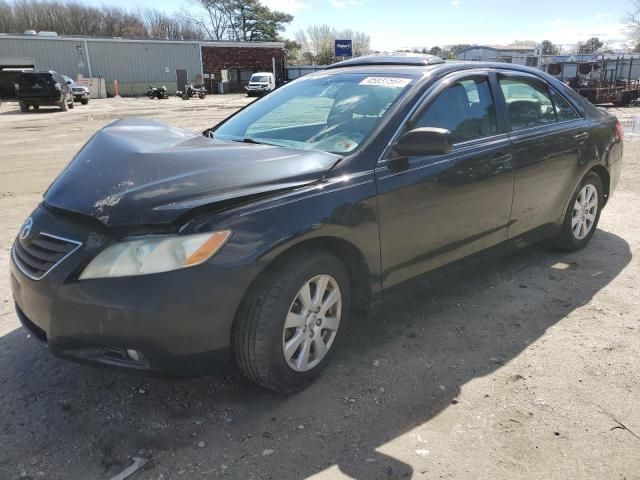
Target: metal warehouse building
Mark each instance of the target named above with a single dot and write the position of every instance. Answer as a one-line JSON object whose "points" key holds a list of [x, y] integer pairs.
{"points": [[136, 64], [509, 54]]}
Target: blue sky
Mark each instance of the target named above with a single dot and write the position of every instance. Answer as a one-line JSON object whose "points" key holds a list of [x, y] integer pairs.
{"points": [[417, 23]]}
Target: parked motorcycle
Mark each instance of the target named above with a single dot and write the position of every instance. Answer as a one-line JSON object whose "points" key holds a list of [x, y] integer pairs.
{"points": [[191, 91], [157, 92]]}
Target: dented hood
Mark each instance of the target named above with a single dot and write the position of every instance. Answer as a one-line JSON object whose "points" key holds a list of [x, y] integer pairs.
{"points": [[138, 171]]}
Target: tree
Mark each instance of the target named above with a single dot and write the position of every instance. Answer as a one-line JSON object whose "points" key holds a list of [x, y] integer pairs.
{"points": [[632, 20], [454, 49], [239, 20], [317, 43], [549, 48], [292, 51], [590, 46], [69, 17], [437, 51]]}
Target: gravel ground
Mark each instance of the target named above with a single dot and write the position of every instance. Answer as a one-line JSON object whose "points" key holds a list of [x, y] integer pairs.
{"points": [[525, 368]]}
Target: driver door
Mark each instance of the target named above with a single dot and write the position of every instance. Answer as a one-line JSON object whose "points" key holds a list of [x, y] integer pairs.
{"points": [[436, 209]]}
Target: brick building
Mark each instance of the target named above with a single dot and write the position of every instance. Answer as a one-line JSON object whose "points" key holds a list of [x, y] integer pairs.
{"points": [[241, 60]]}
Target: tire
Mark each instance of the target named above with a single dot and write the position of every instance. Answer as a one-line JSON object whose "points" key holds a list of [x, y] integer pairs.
{"points": [[24, 107], [202, 96], [36, 107], [259, 335], [568, 238], [84, 101]]}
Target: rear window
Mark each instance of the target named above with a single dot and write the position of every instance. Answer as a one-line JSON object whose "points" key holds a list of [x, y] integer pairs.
{"points": [[33, 78], [260, 78]]}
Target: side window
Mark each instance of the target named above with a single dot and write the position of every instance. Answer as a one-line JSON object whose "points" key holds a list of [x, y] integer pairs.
{"points": [[564, 111], [465, 108], [528, 103]]}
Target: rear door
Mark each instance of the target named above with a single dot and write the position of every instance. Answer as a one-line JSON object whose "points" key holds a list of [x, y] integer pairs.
{"points": [[436, 209], [37, 85], [547, 136]]}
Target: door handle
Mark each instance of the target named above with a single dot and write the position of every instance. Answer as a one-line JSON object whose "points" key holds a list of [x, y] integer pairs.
{"points": [[501, 158], [582, 136]]}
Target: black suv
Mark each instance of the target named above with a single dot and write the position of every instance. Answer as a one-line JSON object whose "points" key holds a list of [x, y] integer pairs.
{"points": [[36, 88]]}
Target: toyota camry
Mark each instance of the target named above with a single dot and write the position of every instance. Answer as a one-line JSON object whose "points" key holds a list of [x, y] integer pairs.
{"points": [[162, 250]]}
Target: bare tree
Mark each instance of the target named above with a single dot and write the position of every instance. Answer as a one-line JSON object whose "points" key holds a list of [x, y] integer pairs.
{"points": [[317, 43], [70, 17], [632, 20]]}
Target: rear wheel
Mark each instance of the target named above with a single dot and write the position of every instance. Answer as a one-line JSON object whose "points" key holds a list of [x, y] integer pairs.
{"points": [[583, 214], [286, 330]]}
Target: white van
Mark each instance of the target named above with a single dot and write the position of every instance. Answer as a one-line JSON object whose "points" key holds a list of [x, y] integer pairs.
{"points": [[260, 83]]}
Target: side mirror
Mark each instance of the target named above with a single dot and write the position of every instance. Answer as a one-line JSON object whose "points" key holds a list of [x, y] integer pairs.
{"points": [[425, 141]]}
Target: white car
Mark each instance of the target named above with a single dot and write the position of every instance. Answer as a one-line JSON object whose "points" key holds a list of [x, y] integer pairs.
{"points": [[80, 93], [261, 83]]}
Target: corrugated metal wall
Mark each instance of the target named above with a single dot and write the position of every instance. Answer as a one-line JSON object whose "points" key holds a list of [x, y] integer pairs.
{"points": [[127, 62]]}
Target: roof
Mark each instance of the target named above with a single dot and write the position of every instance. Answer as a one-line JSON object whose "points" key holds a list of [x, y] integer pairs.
{"points": [[16, 62], [515, 48], [407, 59], [436, 69], [202, 43]]}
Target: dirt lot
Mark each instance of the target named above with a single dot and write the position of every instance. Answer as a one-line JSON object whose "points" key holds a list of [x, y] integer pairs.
{"points": [[528, 368]]}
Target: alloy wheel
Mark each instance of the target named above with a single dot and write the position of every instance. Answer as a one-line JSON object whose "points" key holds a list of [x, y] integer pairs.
{"points": [[585, 211], [312, 323]]}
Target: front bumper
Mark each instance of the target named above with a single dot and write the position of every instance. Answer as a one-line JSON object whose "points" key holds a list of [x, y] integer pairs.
{"points": [[179, 322], [257, 89]]}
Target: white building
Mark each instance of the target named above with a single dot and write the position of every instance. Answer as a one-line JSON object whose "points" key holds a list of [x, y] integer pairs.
{"points": [[500, 53]]}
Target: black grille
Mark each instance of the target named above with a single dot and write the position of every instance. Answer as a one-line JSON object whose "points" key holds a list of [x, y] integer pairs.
{"points": [[38, 255]]}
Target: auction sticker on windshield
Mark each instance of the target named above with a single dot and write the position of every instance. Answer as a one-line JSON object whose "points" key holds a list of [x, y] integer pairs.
{"points": [[393, 82]]}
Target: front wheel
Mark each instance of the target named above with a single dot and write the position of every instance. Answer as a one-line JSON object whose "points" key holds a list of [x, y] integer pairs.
{"points": [[286, 330], [583, 214], [202, 95]]}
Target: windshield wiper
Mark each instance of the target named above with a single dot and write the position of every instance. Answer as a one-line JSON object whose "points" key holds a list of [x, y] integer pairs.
{"points": [[252, 140]]}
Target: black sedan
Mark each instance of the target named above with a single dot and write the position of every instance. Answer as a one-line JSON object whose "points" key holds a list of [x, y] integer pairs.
{"points": [[163, 250]]}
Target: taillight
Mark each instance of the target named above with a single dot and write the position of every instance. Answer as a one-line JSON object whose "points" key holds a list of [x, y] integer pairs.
{"points": [[619, 132], [58, 87]]}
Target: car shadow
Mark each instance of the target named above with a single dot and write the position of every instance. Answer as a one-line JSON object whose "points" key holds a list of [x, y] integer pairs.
{"points": [[40, 111], [394, 371]]}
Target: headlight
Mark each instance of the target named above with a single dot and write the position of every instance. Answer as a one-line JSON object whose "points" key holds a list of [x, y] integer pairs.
{"points": [[155, 254]]}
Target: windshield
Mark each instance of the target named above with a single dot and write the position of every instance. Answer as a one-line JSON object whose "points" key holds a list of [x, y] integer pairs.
{"points": [[331, 113], [259, 79]]}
